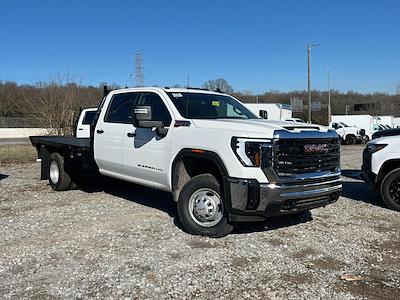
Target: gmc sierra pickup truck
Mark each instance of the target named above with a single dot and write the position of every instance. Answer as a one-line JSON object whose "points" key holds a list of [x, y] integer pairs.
{"points": [[222, 163]]}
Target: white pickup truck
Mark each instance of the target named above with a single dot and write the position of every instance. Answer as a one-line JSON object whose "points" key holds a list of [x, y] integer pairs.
{"points": [[381, 168], [85, 119], [221, 162], [349, 135]]}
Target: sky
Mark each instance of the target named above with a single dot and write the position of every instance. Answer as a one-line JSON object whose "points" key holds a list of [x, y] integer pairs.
{"points": [[257, 46]]}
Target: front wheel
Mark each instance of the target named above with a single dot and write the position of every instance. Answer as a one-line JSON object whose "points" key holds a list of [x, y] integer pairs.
{"points": [[350, 140], [390, 189], [201, 207]]}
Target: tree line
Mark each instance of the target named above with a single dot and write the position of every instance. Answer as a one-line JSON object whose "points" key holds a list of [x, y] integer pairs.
{"points": [[56, 103]]}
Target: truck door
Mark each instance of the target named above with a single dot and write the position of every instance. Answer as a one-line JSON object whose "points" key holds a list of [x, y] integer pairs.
{"points": [[110, 133], [147, 155], [85, 119]]}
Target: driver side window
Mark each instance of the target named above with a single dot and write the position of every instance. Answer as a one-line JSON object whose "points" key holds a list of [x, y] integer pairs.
{"points": [[158, 108]]}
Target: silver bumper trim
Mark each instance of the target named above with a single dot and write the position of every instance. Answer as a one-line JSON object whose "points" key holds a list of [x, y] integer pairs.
{"points": [[290, 195]]}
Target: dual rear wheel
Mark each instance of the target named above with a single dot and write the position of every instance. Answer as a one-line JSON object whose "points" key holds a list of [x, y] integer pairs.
{"points": [[59, 179]]}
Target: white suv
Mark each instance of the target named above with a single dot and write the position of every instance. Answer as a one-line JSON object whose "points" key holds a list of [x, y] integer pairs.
{"points": [[381, 168]]}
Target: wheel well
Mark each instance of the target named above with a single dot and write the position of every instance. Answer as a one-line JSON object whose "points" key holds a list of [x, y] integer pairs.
{"points": [[350, 135], [387, 167], [186, 167]]}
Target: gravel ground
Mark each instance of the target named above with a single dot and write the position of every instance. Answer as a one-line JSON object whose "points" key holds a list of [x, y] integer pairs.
{"points": [[117, 240]]}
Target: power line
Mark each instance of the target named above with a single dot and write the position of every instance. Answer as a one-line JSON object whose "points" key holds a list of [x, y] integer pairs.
{"points": [[213, 32], [256, 45]]}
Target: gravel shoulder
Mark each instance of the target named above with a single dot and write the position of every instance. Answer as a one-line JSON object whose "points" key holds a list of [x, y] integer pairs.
{"points": [[117, 240]]}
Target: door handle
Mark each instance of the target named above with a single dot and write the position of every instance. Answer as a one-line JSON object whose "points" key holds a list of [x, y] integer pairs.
{"points": [[80, 128], [100, 131], [131, 134]]}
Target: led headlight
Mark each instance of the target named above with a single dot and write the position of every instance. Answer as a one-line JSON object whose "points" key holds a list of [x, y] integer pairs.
{"points": [[375, 147], [248, 151]]}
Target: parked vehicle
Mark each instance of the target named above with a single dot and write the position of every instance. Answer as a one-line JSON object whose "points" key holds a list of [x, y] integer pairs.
{"points": [[297, 120], [367, 122], [396, 122], [221, 162], [381, 168], [85, 119], [270, 111], [387, 132], [348, 135], [386, 121]]}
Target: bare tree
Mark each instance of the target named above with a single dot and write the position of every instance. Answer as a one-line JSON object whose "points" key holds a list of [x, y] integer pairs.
{"points": [[52, 104], [219, 84]]}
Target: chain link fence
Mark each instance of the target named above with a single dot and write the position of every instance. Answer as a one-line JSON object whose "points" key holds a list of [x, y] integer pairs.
{"points": [[17, 122]]}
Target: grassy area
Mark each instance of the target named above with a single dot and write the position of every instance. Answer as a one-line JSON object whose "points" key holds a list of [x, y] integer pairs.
{"points": [[17, 154]]}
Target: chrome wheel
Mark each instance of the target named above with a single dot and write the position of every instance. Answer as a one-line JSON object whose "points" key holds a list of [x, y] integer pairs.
{"points": [[205, 207], [54, 172]]}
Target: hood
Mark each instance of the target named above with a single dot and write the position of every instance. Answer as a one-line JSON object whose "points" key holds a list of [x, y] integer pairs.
{"points": [[255, 127]]}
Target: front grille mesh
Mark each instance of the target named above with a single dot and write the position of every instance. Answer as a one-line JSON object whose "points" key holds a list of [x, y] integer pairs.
{"points": [[290, 158]]}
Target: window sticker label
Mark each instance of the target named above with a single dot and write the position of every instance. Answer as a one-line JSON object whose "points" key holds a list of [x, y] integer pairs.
{"points": [[177, 95], [215, 103]]}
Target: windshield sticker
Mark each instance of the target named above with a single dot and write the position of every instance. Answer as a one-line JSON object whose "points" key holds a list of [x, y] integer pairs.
{"points": [[177, 95], [215, 103]]}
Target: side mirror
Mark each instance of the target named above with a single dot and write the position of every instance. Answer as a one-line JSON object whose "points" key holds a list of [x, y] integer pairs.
{"points": [[263, 114], [144, 119]]}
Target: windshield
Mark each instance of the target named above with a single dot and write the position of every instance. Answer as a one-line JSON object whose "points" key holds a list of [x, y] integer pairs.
{"points": [[209, 106], [343, 124]]}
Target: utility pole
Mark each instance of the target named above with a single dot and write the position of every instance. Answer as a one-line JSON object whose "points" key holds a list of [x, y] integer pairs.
{"points": [[188, 81], [130, 80], [139, 73], [309, 79], [329, 95]]}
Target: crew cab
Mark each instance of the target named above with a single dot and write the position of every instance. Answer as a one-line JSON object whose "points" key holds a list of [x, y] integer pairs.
{"points": [[381, 168], [221, 162]]}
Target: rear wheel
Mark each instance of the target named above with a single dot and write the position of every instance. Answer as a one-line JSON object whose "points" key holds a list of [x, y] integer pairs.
{"points": [[350, 140], [59, 180], [390, 189], [201, 207]]}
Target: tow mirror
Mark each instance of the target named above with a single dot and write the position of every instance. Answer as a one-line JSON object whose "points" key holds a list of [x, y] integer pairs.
{"points": [[144, 119]]}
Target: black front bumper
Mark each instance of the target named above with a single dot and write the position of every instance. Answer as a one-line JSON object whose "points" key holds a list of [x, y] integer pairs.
{"points": [[368, 176], [249, 200]]}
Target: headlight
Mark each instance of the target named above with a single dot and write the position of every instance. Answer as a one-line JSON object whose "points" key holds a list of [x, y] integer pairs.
{"points": [[248, 151], [375, 147]]}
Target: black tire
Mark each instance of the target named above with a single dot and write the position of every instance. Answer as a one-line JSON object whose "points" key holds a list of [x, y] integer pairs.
{"points": [[63, 181], [193, 186], [390, 189], [351, 140]]}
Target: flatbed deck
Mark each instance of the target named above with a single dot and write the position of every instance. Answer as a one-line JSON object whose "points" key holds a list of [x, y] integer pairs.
{"points": [[61, 141]]}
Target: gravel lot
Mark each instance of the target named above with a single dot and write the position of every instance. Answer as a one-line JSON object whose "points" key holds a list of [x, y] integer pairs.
{"points": [[117, 240]]}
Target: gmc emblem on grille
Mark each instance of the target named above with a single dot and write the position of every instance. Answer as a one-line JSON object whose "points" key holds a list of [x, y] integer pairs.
{"points": [[316, 148]]}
